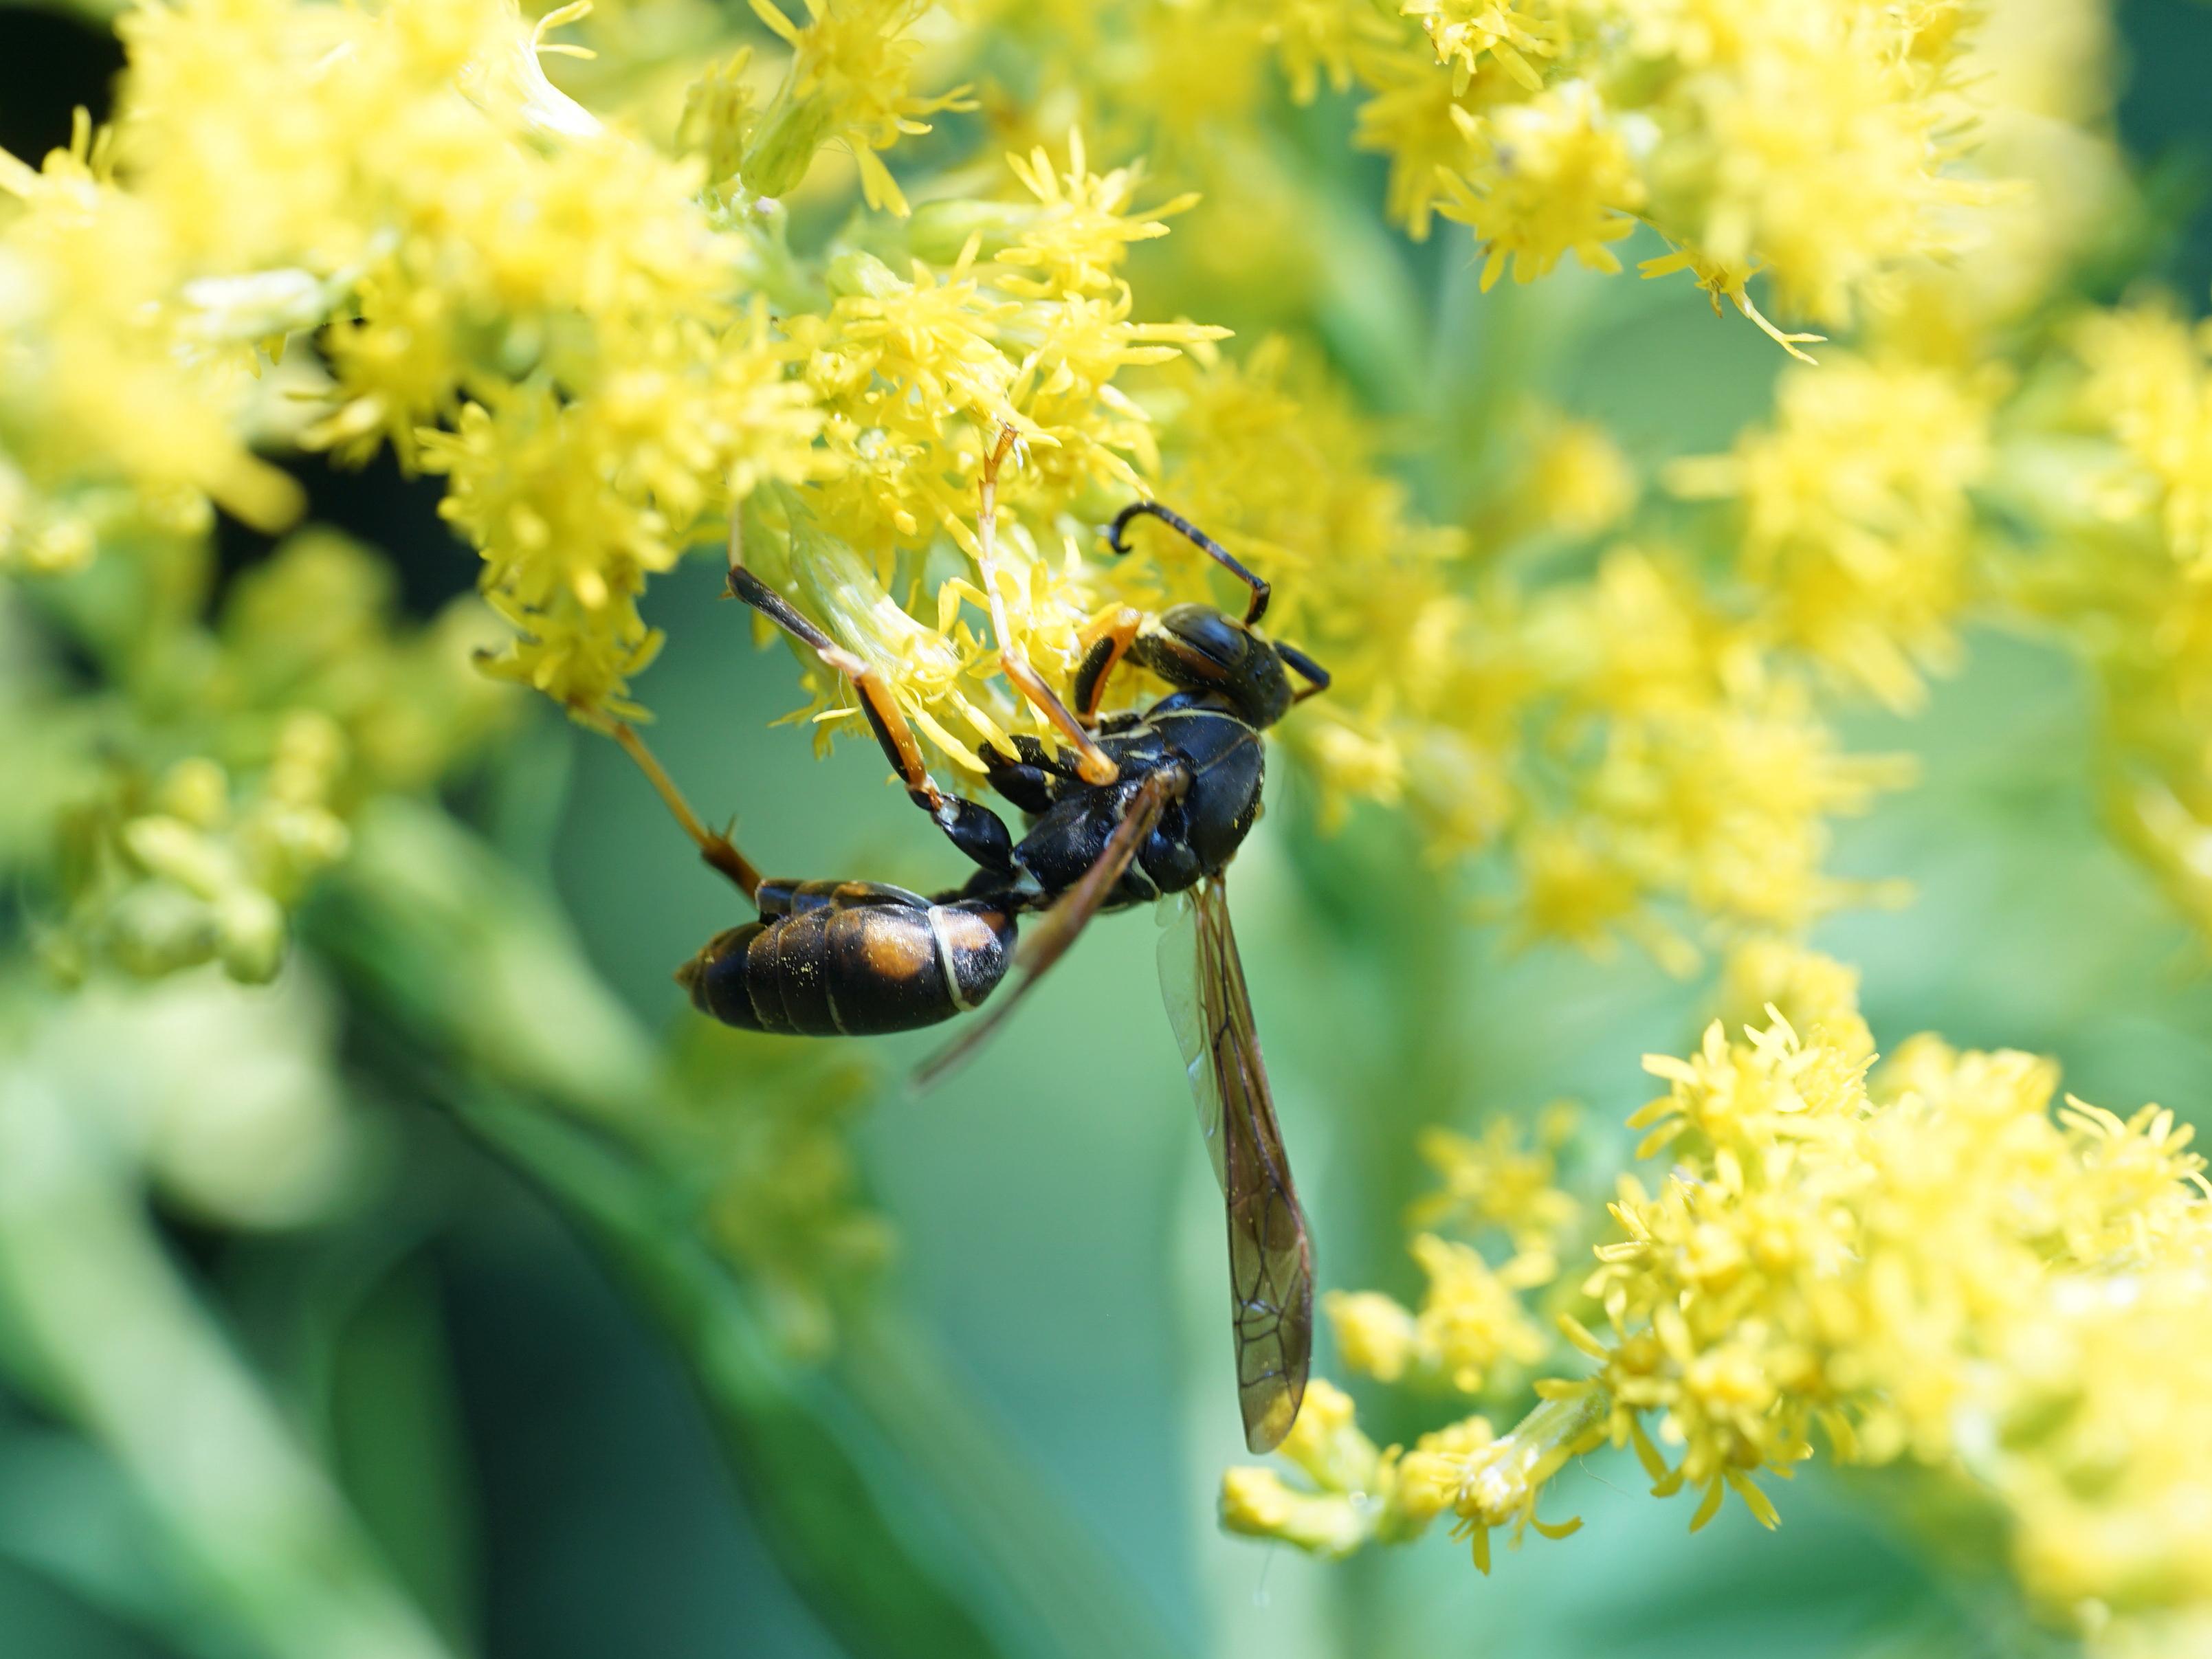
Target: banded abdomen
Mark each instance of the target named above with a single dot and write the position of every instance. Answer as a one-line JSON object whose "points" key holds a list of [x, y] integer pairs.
{"points": [[851, 958]]}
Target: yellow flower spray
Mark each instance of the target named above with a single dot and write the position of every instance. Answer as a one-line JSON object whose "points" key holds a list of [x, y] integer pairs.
{"points": [[1929, 1262]]}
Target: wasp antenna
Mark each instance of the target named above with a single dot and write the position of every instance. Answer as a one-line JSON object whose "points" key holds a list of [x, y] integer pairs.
{"points": [[1221, 556]]}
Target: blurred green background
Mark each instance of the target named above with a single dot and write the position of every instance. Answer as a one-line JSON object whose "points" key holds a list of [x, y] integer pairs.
{"points": [[543, 1477]]}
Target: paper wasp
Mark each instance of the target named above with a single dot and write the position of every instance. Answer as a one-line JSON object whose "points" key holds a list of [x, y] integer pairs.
{"points": [[1133, 808]]}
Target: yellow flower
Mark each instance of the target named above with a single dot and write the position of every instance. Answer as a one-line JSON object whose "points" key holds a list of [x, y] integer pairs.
{"points": [[1470, 1322], [1577, 483], [1463, 31], [1821, 142], [1553, 176], [1496, 1182], [1415, 118], [1930, 1265], [2150, 383], [116, 412], [1857, 520], [846, 83], [1353, 1495]]}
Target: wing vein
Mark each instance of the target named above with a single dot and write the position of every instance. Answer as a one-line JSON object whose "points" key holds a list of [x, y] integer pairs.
{"points": [[1270, 1255]]}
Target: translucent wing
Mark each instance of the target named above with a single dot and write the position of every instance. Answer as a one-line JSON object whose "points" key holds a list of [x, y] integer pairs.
{"points": [[1270, 1258]]}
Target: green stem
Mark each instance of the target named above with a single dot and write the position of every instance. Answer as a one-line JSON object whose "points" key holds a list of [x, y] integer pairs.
{"points": [[1076, 1602], [858, 1566], [893, 1506], [121, 1347], [1538, 1446]]}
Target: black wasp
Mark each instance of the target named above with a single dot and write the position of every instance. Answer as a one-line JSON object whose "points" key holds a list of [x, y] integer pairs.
{"points": [[1133, 808]]}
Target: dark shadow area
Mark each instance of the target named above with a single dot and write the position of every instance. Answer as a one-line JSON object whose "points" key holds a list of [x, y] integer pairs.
{"points": [[2165, 123], [379, 504], [610, 1526], [50, 65]]}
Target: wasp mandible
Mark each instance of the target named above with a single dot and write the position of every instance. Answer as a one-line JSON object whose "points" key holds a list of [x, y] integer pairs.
{"points": [[1136, 806]]}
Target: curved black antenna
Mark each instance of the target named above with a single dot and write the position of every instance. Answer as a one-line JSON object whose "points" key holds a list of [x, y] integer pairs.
{"points": [[1318, 677], [1222, 555]]}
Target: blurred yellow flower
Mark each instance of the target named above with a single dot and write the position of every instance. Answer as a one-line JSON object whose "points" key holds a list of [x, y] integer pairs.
{"points": [[846, 84], [1857, 519]]}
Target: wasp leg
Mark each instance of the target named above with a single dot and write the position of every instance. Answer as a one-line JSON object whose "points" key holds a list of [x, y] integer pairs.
{"points": [[1109, 642], [976, 830], [1030, 778], [1096, 767], [718, 850], [1074, 909]]}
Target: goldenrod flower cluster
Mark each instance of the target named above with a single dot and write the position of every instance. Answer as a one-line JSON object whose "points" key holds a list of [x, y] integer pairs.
{"points": [[611, 353], [1856, 515], [1930, 1262], [1022, 324], [772, 283], [1824, 145], [181, 811], [1473, 1332], [2103, 471], [1815, 144], [1639, 742]]}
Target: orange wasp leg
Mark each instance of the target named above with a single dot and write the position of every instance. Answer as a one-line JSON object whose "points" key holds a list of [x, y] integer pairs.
{"points": [[1092, 762], [718, 850], [1106, 643], [975, 829]]}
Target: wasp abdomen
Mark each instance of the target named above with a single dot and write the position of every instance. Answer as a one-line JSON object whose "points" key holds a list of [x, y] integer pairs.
{"points": [[851, 959]]}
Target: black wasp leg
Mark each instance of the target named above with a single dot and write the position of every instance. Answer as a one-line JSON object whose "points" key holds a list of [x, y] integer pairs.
{"points": [[1029, 777], [717, 849], [1061, 925], [976, 830]]}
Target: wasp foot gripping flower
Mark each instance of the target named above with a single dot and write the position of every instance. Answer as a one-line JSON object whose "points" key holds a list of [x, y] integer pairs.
{"points": [[916, 371]]}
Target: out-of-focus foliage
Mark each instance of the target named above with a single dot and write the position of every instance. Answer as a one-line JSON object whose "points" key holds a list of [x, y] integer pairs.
{"points": [[1629, 612]]}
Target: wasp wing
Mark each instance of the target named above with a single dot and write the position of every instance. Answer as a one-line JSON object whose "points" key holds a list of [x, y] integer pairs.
{"points": [[1270, 1256], [1058, 928]]}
